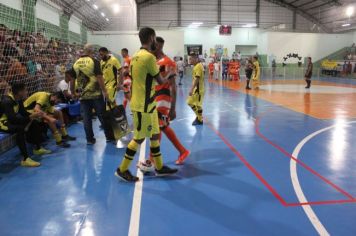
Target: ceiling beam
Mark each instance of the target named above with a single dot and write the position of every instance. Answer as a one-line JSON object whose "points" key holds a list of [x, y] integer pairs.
{"points": [[219, 12], [179, 16], [301, 12], [258, 11]]}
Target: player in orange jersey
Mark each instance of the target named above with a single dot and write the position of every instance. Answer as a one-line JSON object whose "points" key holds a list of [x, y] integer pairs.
{"points": [[211, 70], [234, 69], [126, 76], [126, 57]]}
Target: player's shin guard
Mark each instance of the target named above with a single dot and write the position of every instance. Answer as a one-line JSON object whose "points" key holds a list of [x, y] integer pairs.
{"points": [[173, 138], [156, 153], [129, 155]]}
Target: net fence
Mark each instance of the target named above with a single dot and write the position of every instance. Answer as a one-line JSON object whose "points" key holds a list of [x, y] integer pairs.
{"points": [[36, 51]]}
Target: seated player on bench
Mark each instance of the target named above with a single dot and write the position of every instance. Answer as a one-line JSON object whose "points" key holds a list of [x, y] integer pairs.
{"points": [[15, 120], [44, 102]]}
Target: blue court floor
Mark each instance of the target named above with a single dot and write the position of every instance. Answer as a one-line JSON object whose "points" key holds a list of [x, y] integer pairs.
{"points": [[255, 168]]}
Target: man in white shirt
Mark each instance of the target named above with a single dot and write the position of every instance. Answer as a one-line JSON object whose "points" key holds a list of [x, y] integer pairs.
{"points": [[239, 56], [180, 67], [64, 87], [216, 70]]}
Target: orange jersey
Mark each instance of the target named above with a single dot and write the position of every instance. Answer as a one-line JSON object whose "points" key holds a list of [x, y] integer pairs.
{"points": [[211, 67], [127, 61], [234, 67], [163, 91]]}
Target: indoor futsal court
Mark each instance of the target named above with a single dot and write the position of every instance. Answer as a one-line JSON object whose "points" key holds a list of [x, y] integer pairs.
{"points": [[177, 117]]}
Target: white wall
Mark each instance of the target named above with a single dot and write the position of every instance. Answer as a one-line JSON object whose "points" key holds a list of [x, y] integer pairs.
{"points": [[115, 41], [278, 44], [305, 44], [16, 4], [74, 24], [210, 37], [47, 12]]}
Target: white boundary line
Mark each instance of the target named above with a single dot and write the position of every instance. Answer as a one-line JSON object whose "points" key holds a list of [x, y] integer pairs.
{"points": [[134, 227], [296, 185]]}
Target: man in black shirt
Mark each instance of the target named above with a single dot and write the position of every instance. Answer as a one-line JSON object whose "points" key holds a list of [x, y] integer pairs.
{"points": [[309, 73], [15, 120]]}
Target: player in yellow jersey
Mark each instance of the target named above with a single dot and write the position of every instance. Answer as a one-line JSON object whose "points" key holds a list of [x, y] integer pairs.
{"points": [[44, 102], [196, 94], [88, 84], [110, 67], [256, 73], [145, 75]]}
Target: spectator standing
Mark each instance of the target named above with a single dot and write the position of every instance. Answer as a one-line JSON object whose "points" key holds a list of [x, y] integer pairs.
{"points": [[238, 56], [309, 73], [180, 66], [91, 91], [216, 70], [274, 66], [248, 72]]}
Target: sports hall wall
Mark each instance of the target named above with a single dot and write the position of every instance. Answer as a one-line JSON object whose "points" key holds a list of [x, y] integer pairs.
{"points": [[277, 44], [44, 17]]}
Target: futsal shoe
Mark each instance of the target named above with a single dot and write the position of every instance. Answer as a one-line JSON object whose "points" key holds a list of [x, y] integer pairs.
{"points": [[165, 171], [91, 141], [146, 166], [30, 163], [63, 144], [126, 176], [182, 157], [41, 151], [197, 122], [69, 138], [248, 88]]}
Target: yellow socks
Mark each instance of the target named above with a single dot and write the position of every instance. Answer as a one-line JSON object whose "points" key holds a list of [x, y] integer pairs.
{"points": [[57, 136], [64, 131], [199, 113], [156, 153], [129, 155]]}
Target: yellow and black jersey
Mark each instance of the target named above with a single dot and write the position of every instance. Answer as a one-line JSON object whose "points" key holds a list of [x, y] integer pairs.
{"points": [[143, 70], [110, 69], [256, 71], [10, 110], [85, 70], [40, 98], [198, 74]]}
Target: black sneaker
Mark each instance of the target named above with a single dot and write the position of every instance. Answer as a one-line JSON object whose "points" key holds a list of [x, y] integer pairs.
{"points": [[197, 122], [68, 138], [111, 141], [248, 88], [91, 141], [166, 171], [126, 176], [63, 144]]}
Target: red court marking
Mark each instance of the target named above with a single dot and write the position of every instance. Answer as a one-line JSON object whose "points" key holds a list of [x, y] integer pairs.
{"points": [[327, 202], [247, 164], [264, 181], [282, 150]]}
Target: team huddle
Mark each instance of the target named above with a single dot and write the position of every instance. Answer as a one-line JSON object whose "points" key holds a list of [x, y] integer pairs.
{"points": [[148, 81]]}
